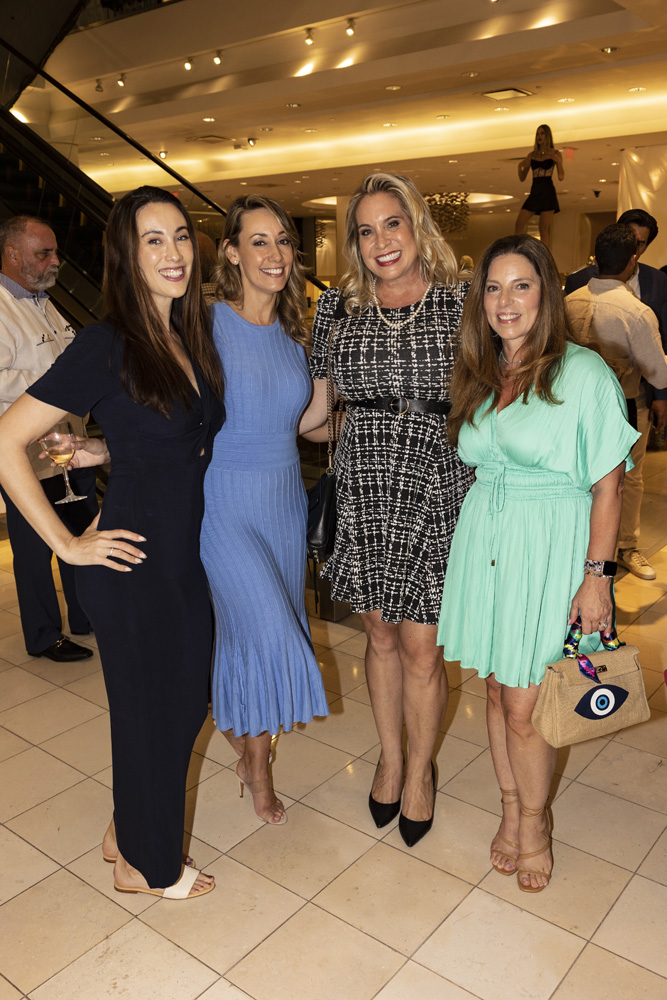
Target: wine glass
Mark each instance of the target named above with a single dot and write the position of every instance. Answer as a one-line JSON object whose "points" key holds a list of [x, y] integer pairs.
{"points": [[60, 448]]}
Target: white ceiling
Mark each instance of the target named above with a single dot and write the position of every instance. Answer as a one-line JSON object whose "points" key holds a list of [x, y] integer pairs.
{"points": [[427, 48]]}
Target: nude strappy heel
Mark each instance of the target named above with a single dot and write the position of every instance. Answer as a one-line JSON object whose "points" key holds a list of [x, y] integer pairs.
{"points": [[534, 854], [507, 797]]}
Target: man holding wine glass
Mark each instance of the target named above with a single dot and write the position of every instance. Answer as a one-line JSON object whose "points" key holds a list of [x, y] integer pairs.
{"points": [[32, 335]]}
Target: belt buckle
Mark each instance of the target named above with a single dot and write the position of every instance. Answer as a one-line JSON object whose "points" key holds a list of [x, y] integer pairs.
{"points": [[399, 400]]}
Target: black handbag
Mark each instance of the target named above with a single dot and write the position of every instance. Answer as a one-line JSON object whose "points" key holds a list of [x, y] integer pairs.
{"points": [[321, 525]]}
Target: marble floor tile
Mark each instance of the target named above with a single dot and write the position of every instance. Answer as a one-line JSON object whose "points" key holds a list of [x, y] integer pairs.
{"points": [[456, 674], [631, 774], [9, 992], [599, 975], [614, 829], [302, 764], [650, 736], [212, 744], [393, 896], [350, 727], [356, 646], [352, 966], [8, 623], [32, 777], [133, 960], [452, 756], [345, 798], [414, 981], [64, 673], [328, 634], [48, 715], [91, 687], [341, 672], [581, 892], [523, 956], [21, 865], [86, 747], [361, 694], [222, 990], [52, 924], [229, 922], [200, 769], [466, 718], [635, 928], [305, 854], [654, 865], [19, 686], [68, 824], [11, 744]]}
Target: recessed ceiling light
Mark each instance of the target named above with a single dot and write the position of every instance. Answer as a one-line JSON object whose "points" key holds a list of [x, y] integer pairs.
{"points": [[351, 24], [602, 180], [104, 154], [608, 49], [471, 74], [162, 154], [565, 100], [291, 104], [266, 128], [208, 119], [501, 109], [441, 117], [297, 182], [393, 86], [310, 130], [636, 90], [309, 40], [243, 183], [306, 177], [616, 163], [452, 161], [96, 138], [389, 125]]}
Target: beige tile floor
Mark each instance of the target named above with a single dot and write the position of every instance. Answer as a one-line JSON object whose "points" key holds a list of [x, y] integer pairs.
{"points": [[328, 907]]}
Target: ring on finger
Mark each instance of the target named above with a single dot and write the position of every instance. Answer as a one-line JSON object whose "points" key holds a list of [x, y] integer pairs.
{"points": [[110, 552]]}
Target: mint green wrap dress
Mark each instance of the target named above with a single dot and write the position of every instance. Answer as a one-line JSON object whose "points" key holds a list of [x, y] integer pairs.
{"points": [[517, 556]]}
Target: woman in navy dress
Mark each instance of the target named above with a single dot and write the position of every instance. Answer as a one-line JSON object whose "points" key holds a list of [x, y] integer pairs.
{"points": [[542, 159], [253, 536], [151, 377]]}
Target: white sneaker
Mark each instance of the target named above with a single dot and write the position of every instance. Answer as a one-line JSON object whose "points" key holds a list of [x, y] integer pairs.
{"points": [[638, 565]]}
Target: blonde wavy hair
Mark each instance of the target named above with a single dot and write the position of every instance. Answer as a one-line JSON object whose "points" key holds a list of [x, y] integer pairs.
{"points": [[291, 301], [437, 261]]}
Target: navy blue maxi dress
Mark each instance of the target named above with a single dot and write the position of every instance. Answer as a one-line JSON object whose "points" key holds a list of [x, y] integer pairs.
{"points": [[253, 539], [153, 625]]}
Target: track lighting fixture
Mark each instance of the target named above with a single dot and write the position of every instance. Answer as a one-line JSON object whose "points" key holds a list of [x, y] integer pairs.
{"points": [[121, 80], [189, 62], [350, 26], [99, 89], [162, 154], [217, 58], [309, 37], [251, 142]]}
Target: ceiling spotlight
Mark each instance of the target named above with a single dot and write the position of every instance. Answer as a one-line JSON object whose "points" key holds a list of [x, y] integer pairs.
{"points": [[217, 58], [189, 62], [441, 117], [350, 26], [121, 80], [309, 40], [393, 86], [636, 90], [251, 142], [471, 74], [99, 89], [162, 154], [292, 104], [501, 109], [209, 118], [608, 49], [266, 128], [566, 100], [389, 125]]}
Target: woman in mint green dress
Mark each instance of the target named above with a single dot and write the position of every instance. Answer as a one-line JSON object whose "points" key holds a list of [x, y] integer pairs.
{"points": [[543, 421]]}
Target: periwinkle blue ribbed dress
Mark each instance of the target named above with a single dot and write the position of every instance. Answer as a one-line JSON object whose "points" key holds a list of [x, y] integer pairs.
{"points": [[253, 535]]}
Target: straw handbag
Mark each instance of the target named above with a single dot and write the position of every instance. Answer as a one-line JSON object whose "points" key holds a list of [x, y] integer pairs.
{"points": [[582, 697]]}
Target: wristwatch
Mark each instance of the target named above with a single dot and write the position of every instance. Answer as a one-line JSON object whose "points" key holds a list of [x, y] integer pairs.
{"points": [[601, 567]]}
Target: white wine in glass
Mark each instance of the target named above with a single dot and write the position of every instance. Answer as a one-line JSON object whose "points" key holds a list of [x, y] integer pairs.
{"points": [[60, 448]]}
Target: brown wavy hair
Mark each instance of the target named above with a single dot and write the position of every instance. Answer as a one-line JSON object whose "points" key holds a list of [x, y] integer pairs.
{"points": [[149, 371], [291, 301], [437, 260], [476, 375]]}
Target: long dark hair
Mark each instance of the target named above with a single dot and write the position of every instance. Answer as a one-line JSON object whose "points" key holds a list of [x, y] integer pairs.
{"points": [[291, 301], [149, 371], [476, 375]]}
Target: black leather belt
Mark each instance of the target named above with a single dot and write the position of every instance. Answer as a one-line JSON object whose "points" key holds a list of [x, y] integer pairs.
{"points": [[401, 404]]}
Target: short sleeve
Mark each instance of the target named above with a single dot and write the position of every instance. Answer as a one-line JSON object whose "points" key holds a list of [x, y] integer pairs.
{"points": [[604, 436], [82, 375], [324, 317]]}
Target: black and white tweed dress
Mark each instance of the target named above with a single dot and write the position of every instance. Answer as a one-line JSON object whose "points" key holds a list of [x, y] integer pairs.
{"points": [[400, 486]]}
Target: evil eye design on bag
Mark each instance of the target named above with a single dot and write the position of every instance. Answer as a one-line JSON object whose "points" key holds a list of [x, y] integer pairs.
{"points": [[601, 702]]}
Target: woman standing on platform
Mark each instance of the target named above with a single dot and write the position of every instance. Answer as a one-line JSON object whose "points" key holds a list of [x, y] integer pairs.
{"points": [[151, 377], [542, 200], [395, 319], [253, 541]]}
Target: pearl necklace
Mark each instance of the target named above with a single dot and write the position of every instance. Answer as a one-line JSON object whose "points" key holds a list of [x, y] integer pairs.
{"points": [[503, 358], [398, 325]]}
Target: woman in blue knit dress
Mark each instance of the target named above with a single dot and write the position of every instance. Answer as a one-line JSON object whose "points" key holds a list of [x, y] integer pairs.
{"points": [[253, 536]]}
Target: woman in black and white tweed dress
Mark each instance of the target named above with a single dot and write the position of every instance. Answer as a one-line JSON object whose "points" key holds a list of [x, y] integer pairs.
{"points": [[399, 485]]}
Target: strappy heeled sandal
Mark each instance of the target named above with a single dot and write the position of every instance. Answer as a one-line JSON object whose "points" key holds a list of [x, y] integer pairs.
{"points": [[505, 794], [534, 854]]}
